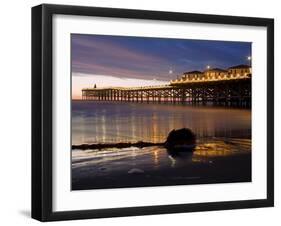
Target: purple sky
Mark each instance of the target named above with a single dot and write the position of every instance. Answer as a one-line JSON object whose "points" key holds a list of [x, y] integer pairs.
{"points": [[151, 58]]}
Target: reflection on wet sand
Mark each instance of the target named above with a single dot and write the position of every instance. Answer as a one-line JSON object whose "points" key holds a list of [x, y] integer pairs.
{"points": [[157, 155], [158, 163]]}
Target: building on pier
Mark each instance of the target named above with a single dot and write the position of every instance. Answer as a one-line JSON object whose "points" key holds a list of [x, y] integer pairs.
{"points": [[240, 70], [215, 73], [192, 75], [235, 72]]}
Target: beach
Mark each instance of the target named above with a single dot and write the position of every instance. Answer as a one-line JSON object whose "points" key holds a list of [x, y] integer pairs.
{"points": [[216, 161], [222, 154]]}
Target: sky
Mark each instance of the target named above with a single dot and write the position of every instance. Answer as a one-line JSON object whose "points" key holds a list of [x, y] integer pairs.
{"points": [[137, 61]]}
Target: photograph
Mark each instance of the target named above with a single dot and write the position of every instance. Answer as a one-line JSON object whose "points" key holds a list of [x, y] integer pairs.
{"points": [[143, 111], [153, 111]]}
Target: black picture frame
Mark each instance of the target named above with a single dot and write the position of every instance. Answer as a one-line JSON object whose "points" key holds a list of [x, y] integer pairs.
{"points": [[42, 111]]}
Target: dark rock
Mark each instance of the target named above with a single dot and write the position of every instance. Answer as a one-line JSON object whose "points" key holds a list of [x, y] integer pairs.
{"points": [[181, 140]]}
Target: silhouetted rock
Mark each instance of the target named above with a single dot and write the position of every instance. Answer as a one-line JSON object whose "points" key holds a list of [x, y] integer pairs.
{"points": [[181, 140]]}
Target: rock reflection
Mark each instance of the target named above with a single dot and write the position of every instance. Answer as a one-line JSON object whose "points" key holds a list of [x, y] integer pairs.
{"points": [[179, 156], [206, 152]]}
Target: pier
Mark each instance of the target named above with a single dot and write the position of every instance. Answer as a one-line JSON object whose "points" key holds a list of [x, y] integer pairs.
{"points": [[215, 87]]}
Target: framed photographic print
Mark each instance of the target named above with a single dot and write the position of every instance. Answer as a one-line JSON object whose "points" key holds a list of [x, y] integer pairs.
{"points": [[146, 112]]}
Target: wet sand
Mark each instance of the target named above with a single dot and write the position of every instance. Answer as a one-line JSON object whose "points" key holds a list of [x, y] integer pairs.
{"points": [[214, 161]]}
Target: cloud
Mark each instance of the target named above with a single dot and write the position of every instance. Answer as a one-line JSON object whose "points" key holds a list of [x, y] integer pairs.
{"points": [[101, 56], [111, 49], [86, 69]]}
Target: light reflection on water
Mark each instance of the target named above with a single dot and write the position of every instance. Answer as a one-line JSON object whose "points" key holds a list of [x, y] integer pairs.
{"points": [[101, 122]]}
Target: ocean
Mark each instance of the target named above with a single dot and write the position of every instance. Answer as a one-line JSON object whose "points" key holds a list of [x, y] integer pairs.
{"points": [[222, 155]]}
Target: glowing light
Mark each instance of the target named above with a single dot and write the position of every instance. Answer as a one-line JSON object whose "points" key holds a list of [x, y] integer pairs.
{"points": [[156, 157], [208, 66], [249, 58]]}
